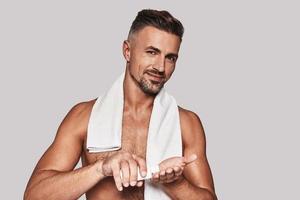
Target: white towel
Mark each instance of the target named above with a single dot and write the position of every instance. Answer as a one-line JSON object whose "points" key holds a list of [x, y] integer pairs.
{"points": [[164, 134]]}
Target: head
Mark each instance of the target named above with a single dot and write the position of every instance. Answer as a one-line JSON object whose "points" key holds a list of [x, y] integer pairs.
{"points": [[151, 49]]}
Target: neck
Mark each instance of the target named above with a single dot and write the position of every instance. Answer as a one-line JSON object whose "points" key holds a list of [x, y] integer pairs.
{"points": [[134, 98]]}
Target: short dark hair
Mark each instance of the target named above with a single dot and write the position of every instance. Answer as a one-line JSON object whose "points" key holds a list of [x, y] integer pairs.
{"points": [[162, 20]]}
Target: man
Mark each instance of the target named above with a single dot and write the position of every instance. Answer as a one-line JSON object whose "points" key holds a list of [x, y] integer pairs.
{"points": [[151, 52]]}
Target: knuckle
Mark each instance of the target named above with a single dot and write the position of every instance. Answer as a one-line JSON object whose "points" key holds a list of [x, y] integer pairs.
{"points": [[116, 172], [126, 154], [132, 163], [123, 163], [114, 162], [170, 176]]}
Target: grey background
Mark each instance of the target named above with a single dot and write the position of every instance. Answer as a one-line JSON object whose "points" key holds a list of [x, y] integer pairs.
{"points": [[238, 69]]}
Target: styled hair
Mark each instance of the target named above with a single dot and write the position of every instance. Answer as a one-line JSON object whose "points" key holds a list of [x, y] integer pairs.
{"points": [[162, 20]]}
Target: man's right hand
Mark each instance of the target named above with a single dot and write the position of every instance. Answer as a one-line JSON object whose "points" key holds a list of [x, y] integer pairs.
{"points": [[126, 164]]}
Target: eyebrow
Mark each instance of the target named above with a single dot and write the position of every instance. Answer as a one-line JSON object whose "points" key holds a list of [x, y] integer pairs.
{"points": [[159, 51], [154, 49]]}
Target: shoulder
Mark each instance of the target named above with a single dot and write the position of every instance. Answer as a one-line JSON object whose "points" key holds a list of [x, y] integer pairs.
{"points": [[191, 127], [188, 118], [76, 120], [81, 109]]}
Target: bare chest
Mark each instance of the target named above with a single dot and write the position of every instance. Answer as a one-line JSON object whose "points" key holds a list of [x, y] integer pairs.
{"points": [[134, 139]]}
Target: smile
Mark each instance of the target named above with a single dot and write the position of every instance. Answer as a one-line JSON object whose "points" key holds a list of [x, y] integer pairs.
{"points": [[155, 77]]}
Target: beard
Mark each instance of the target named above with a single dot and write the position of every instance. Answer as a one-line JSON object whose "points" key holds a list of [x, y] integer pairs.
{"points": [[150, 87]]}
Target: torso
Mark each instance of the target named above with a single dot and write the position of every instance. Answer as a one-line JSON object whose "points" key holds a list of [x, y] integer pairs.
{"points": [[134, 137]]}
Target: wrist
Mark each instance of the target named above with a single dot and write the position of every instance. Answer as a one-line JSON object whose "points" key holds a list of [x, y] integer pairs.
{"points": [[175, 187], [175, 184], [98, 167]]}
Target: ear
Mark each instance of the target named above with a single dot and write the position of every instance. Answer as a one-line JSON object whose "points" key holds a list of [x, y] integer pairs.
{"points": [[126, 50]]}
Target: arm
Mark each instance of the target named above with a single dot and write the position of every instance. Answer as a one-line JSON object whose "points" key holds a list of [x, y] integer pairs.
{"points": [[53, 177], [196, 181]]}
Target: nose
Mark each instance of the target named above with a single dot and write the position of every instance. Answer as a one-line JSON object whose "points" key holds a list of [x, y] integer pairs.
{"points": [[160, 64]]}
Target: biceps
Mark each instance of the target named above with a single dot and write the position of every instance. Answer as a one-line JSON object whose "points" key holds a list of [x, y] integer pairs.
{"points": [[62, 155]]}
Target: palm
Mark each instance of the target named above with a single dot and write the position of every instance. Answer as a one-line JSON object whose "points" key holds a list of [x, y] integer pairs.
{"points": [[177, 162], [171, 162]]}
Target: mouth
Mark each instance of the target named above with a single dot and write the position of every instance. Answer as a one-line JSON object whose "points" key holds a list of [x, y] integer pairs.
{"points": [[155, 77]]}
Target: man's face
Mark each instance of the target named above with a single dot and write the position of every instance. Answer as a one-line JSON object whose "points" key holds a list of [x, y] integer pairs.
{"points": [[151, 57]]}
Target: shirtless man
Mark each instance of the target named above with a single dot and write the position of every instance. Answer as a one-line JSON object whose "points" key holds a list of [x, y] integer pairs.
{"points": [[150, 51]]}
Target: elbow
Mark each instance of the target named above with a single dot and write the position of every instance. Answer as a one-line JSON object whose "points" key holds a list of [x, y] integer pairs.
{"points": [[208, 195], [211, 196], [29, 194]]}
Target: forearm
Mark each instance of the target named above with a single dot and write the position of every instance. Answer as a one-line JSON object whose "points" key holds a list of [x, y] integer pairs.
{"points": [[182, 189], [65, 185]]}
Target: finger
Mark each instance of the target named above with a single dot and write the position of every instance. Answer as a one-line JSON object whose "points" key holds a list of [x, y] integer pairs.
{"points": [[125, 173], [117, 178], [190, 158], [162, 175], [154, 180], [169, 173], [177, 171], [133, 172], [155, 177], [139, 183], [142, 165], [170, 180]]}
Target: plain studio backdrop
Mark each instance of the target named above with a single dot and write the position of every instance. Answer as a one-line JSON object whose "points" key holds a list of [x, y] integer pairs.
{"points": [[238, 69]]}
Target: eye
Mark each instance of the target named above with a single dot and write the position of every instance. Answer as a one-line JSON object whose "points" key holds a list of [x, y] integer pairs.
{"points": [[172, 58], [151, 52]]}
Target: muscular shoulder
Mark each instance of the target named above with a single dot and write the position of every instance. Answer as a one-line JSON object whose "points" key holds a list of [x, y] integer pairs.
{"points": [[64, 152], [191, 128], [188, 119], [76, 120]]}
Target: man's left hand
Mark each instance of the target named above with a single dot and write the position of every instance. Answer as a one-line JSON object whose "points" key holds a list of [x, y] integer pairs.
{"points": [[171, 169]]}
